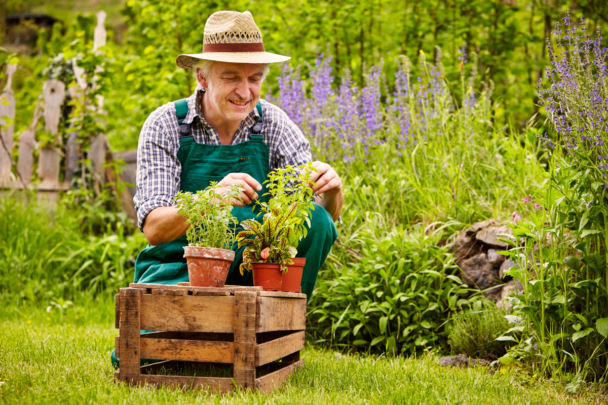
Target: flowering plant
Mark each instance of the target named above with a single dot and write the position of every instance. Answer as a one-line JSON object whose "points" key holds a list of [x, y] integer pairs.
{"points": [[285, 218], [209, 215]]}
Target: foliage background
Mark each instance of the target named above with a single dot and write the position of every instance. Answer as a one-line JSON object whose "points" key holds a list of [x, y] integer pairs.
{"points": [[507, 36]]}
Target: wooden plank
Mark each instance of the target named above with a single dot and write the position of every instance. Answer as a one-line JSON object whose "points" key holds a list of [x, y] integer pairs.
{"points": [[216, 337], [200, 291], [187, 350], [97, 155], [244, 338], [25, 162], [71, 156], [53, 92], [48, 166], [7, 109], [281, 294], [275, 380], [234, 288], [280, 314], [279, 348], [187, 313], [130, 309], [117, 311], [117, 347], [217, 384]]}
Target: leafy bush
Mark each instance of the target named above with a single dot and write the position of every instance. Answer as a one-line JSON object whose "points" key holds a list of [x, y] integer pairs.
{"points": [[474, 331], [395, 297]]}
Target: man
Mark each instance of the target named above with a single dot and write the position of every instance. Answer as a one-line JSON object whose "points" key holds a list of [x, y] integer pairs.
{"points": [[221, 133]]}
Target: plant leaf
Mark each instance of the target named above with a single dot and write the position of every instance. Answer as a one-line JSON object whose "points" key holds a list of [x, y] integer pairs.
{"points": [[602, 327]]}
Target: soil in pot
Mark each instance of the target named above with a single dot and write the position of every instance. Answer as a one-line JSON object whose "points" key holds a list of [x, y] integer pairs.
{"points": [[267, 275], [208, 267], [292, 280]]}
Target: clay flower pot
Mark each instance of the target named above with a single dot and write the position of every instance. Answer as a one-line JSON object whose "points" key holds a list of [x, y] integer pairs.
{"points": [[208, 267], [292, 279], [267, 275]]}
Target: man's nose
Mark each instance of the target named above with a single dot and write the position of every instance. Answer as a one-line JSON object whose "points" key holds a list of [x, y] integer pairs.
{"points": [[242, 90]]}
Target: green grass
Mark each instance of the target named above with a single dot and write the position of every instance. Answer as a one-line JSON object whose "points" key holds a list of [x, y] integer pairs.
{"points": [[63, 357]]}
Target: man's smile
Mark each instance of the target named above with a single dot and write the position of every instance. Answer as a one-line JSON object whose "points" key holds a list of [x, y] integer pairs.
{"points": [[240, 103]]}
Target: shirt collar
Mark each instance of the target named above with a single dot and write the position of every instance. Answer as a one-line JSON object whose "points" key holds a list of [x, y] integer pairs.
{"points": [[195, 109]]}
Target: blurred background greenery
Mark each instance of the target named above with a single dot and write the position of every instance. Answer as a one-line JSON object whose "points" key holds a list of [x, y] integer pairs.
{"points": [[508, 38]]}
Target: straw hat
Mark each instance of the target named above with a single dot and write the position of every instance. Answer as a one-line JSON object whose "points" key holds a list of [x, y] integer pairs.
{"points": [[234, 37]]}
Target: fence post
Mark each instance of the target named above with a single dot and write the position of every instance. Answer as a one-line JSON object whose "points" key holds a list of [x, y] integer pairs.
{"points": [[6, 134], [53, 92]]}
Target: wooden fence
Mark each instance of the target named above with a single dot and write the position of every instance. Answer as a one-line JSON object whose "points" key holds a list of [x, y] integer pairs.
{"points": [[48, 182]]}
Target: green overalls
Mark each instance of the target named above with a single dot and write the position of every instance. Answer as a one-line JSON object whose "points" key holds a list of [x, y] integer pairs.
{"points": [[201, 164]]}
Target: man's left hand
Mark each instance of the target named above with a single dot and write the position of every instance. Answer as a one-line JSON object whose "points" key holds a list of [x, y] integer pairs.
{"points": [[326, 179]]}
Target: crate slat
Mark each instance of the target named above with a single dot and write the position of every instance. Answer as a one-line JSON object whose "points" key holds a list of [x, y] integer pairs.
{"points": [[187, 313], [280, 314], [244, 338], [187, 350], [130, 306], [279, 348], [275, 380]]}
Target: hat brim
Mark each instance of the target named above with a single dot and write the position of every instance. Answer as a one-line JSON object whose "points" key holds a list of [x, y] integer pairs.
{"points": [[187, 61]]}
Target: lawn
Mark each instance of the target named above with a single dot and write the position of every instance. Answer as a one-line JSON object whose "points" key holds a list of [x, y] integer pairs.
{"points": [[62, 356]]}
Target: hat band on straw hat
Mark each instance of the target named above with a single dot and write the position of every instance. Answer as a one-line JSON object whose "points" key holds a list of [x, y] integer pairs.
{"points": [[234, 47]]}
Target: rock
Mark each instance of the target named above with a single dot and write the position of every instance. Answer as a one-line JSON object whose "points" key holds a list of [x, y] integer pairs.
{"points": [[480, 271], [454, 361], [463, 246], [495, 258], [491, 234], [462, 360], [507, 264], [478, 226], [513, 286], [479, 362]]}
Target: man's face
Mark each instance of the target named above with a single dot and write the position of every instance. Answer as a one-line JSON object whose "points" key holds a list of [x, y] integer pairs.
{"points": [[233, 89]]}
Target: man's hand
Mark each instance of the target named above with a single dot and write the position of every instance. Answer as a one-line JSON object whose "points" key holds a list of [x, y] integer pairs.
{"points": [[248, 187], [328, 187], [326, 179]]}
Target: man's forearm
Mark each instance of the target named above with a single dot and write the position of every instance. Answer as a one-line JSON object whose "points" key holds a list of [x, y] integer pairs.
{"points": [[332, 202], [164, 224]]}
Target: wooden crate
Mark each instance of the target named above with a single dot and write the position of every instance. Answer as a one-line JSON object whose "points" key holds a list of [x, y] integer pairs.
{"points": [[245, 328]]}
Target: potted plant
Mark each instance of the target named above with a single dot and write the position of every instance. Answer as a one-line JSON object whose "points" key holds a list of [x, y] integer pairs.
{"points": [[271, 251], [210, 235]]}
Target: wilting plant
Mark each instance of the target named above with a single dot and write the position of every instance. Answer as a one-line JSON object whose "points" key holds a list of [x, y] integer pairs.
{"points": [[209, 215], [284, 220]]}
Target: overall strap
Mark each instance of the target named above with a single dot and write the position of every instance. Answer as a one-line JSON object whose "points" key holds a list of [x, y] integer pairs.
{"points": [[181, 109], [256, 129]]}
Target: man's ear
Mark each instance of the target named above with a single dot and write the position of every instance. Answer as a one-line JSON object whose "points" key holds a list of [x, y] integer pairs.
{"points": [[201, 80]]}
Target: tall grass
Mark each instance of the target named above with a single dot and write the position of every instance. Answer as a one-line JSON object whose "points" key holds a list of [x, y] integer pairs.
{"points": [[44, 255]]}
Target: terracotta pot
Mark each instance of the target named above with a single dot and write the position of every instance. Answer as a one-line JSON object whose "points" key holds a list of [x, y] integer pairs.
{"points": [[267, 275], [292, 280], [208, 267]]}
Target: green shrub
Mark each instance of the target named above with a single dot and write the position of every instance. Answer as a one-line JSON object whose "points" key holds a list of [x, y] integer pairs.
{"points": [[474, 332], [395, 297]]}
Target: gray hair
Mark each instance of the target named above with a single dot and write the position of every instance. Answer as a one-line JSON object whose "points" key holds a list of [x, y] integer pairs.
{"points": [[205, 67]]}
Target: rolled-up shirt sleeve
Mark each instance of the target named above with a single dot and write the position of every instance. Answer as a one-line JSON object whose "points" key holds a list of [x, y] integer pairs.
{"points": [[158, 169]]}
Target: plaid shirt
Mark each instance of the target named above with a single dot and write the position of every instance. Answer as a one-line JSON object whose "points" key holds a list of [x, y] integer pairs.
{"points": [[159, 170]]}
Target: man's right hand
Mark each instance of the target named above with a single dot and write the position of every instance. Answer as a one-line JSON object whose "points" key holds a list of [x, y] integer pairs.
{"points": [[248, 186]]}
